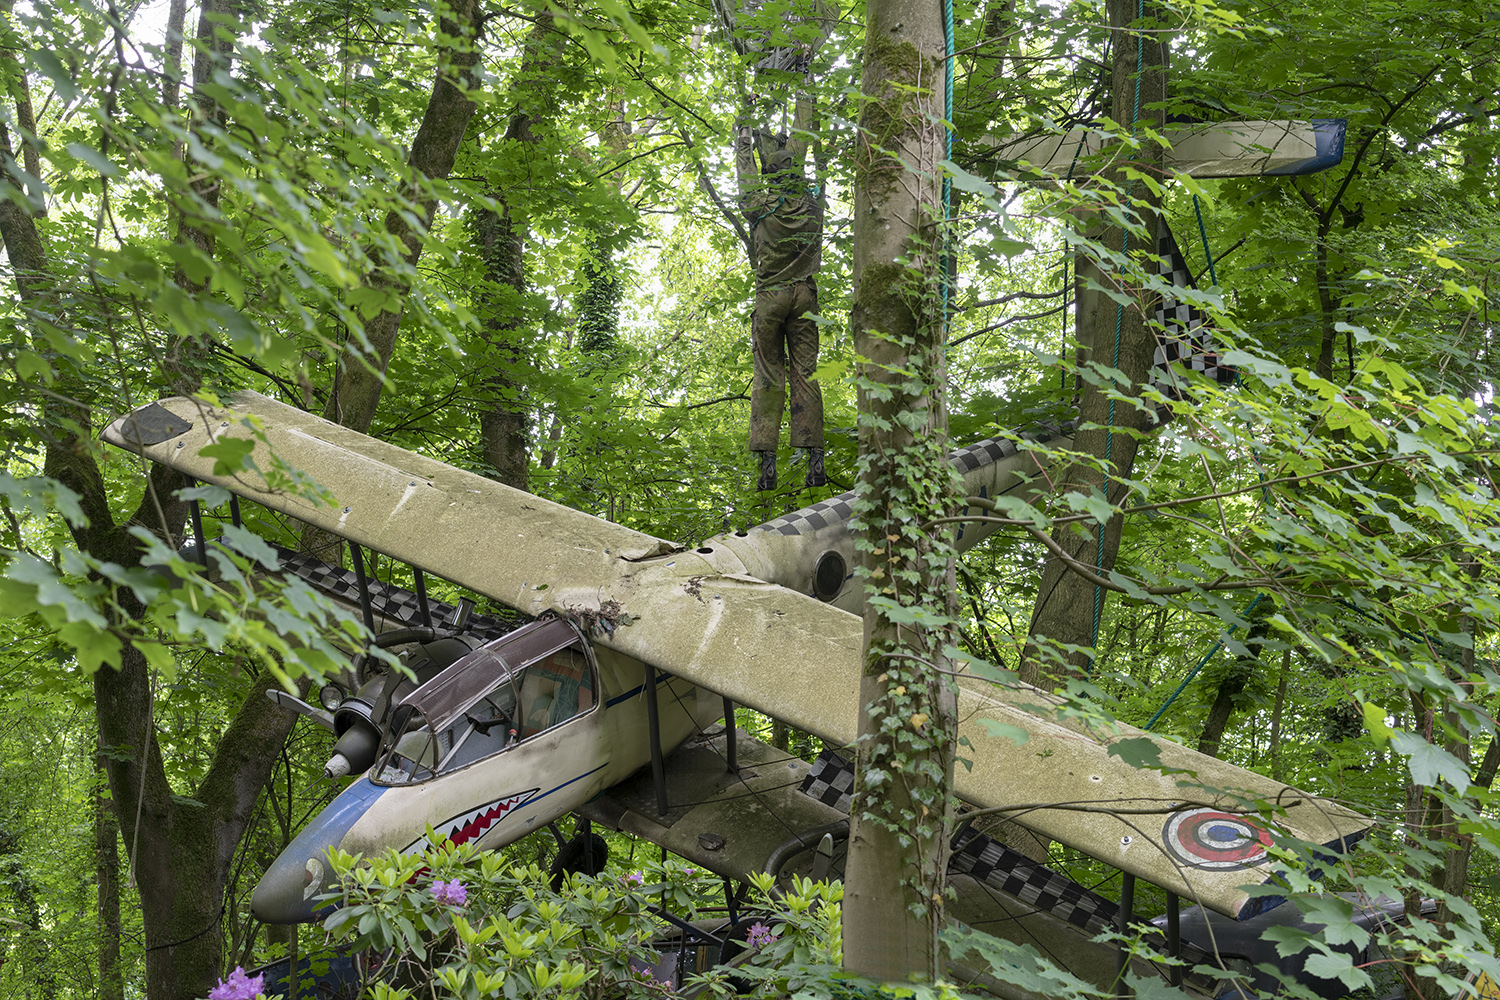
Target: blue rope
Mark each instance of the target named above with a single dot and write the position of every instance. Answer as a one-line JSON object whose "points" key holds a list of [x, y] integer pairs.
{"points": [[1203, 235], [1199, 666], [947, 145]]}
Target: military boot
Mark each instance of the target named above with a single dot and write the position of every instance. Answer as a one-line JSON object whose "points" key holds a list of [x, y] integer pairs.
{"points": [[815, 474], [767, 479]]}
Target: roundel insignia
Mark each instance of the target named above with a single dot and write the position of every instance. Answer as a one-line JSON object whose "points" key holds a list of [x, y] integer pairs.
{"points": [[1212, 838]]}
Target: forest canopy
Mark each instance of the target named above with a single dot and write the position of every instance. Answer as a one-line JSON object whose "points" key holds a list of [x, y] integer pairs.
{"points": [[507, 237]]}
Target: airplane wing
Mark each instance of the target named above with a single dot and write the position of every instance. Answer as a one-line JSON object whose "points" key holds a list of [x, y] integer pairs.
{"points": [[1217, 149], [698, 614]]}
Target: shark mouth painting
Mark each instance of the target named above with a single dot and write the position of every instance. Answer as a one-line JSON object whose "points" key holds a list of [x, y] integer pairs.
{"points": [[471, 826]]}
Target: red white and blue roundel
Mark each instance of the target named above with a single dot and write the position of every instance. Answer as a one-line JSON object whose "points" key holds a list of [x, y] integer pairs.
{"points": [[1211, 838]]}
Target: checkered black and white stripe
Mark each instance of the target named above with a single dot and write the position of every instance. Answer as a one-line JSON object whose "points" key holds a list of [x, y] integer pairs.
{"points": [[831, 782], [386, 600], [1186, 338], [1032, 882], [840, 509]]}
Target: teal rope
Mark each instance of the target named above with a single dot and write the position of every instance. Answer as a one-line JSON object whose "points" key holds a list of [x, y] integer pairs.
{"points": [[1199, 666], [1109, 435], [1203, 235], [947, 145]]}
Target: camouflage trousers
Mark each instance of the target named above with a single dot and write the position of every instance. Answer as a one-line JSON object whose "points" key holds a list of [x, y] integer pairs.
{"points": [[785, 344]]}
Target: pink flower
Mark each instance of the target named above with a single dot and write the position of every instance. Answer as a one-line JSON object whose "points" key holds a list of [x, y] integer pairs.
{"points": [[760, 935], [238, 986], [633, 879], [450, 893]]}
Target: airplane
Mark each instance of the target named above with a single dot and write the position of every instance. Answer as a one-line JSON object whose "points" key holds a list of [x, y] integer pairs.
{"points": [[641, 643], [1283, 148]]}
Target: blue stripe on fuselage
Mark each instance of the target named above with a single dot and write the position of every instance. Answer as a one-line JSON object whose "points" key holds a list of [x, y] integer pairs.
{"points": [[657, 677]]}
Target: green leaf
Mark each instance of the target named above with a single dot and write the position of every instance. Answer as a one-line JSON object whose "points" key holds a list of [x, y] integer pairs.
{"points": [[965, 181], [1430, 764], [231, 455], [1375, 722], [1336, 914], [1338, 965], [250, 545], [50, 590], [1137, 751], [1004, 730], [93, 158], [52, 68]]}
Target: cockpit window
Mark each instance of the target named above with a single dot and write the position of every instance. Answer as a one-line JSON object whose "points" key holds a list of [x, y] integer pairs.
{"points": [[509, 690], [554, 690]]}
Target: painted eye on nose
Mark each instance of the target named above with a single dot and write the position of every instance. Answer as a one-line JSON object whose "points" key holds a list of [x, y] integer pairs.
{"points": [[312, 878]]}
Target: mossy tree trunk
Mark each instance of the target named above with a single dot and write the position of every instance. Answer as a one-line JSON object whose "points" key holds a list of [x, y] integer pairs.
{"points": [[361, 374], [500, 238], [107, 873], [893, 907], [1068, 606]]}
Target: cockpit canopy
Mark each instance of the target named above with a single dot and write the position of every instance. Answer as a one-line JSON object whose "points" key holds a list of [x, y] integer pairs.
{"points": [[502, 693]]}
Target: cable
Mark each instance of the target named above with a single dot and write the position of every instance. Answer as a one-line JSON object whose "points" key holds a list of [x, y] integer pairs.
{"points": [[947, 152]]}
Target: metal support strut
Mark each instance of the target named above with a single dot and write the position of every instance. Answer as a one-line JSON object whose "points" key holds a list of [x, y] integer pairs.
{"points": [[1174, 937], [364, 585], [200, 550], [1123, 921], [653, 724], [731, 738], [422, 607]]}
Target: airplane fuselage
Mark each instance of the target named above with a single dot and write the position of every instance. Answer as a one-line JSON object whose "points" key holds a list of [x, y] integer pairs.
{"points": [[496, 799]]}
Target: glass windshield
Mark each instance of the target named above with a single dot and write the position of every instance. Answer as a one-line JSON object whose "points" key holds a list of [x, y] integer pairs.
{"points": [[507, 691]]}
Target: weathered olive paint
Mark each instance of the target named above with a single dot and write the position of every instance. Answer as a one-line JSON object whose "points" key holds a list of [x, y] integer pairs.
{"points": [[762, 645]]}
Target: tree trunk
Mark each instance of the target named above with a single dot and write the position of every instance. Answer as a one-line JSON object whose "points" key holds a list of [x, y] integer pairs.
{"points": [[1068, 608], [107, 874], [361, 374], [179, 853], [1233, 681], [504, 417], [26, 122], [893, 903], [1273, 751]]}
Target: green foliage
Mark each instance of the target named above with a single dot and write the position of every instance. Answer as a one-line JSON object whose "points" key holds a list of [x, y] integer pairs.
{"points": [[512, 936], [1348, 478]]}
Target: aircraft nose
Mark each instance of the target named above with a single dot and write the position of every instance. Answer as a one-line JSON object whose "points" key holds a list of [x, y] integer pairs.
{"points": [[287, 893]]}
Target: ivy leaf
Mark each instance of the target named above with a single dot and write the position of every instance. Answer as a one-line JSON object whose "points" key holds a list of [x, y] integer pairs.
{"points": [[1429, 764]]}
